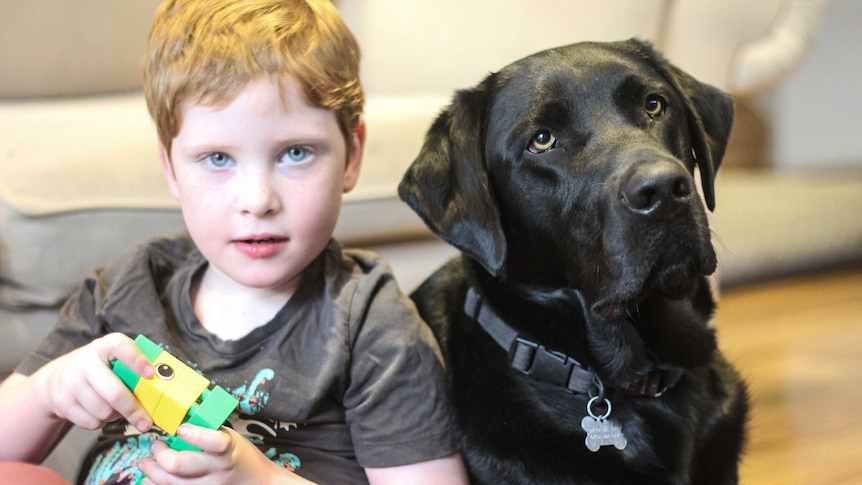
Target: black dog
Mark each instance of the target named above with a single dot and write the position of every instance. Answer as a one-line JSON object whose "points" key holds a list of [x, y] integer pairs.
{"points": [[576, 326]]}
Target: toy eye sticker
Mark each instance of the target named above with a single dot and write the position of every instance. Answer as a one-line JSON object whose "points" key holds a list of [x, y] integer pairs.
{"points": [[165, 372]]}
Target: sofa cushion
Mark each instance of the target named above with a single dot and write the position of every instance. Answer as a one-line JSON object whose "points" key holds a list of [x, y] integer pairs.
{"points": [[769, 224], [79, 182]]}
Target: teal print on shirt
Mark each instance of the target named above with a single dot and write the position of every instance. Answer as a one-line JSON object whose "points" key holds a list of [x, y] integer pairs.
{"points": [[287, 460], [252, 399], [120, 463]]}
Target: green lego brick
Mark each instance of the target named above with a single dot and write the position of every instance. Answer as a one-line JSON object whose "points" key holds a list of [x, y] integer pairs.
{"points": [[148, 347], [129, 378], [178, 444], [215, 407], [127, 375]]}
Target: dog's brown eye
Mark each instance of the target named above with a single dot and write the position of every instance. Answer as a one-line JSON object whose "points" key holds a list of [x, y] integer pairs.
{"points": [[542, 141], [655, 105]]}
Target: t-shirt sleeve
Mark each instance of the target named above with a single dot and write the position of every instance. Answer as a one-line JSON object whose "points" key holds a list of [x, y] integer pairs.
{"points": [[396, 403], [122, 296], [77, 325]]}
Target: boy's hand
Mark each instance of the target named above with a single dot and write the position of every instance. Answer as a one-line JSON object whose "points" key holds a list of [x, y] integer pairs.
{"points": [[81, 388], [225, 458]]}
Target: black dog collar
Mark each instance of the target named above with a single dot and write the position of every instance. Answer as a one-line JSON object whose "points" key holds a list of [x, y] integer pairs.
{"points": [[556, 368]]}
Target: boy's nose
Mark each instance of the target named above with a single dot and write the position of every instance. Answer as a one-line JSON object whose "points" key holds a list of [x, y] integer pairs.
{"points": [[257, 196]]}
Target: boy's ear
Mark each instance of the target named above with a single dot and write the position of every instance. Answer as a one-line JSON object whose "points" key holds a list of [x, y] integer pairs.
{"points": [[354, 157], [168, 170]]}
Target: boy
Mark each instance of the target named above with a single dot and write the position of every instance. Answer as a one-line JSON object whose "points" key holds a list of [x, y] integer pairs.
{"points": [[258, 105]]}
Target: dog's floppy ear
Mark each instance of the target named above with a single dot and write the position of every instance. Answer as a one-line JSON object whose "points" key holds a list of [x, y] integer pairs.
{"points": [[448, 184], [710, 119]]}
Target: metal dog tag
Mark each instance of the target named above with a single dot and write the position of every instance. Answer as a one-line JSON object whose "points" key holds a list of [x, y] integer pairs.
{"points": [[600, 431]]}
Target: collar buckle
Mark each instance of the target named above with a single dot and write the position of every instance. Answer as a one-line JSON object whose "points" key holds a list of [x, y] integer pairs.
{"points": [[548, 366], [540, 363]]}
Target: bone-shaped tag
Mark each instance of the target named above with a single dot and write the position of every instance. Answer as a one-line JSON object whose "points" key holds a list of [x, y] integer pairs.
{"points": [[602, 432]]}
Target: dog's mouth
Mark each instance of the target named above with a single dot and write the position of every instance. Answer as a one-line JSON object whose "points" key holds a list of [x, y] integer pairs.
{"points": [[673, 281], [652, 258]]}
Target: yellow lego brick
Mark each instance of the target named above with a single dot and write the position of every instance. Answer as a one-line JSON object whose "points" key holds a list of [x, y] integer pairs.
{"points": [[168, 395], [148, 395], [184, 392], [169, 415]]}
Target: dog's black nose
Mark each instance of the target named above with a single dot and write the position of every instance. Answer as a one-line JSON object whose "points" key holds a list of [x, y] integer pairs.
{"points": [[658, 189]]}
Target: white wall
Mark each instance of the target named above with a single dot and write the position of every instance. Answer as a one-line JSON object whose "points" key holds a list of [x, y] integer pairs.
{"points": [[412, 49], [817, 113]]}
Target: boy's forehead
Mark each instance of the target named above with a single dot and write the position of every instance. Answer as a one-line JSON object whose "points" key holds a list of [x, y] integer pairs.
{"points": [[259, 92], [289, 92], [276, 102]]}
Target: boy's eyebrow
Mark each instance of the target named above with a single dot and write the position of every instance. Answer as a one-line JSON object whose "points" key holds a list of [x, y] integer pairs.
{"points": [[201, 147], [204, 147]]}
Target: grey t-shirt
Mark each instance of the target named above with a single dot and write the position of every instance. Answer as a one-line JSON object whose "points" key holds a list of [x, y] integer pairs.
{"points": [[345, 376]]}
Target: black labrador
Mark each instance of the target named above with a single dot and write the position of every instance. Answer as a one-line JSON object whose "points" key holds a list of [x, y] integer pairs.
{"points": [[576, 324]]}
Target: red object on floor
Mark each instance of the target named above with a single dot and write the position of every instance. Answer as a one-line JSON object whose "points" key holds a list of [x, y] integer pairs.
{"points": [[15, 473]]}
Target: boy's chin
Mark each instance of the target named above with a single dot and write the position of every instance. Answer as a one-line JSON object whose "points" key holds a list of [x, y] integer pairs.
{"points": [[256, 276]]}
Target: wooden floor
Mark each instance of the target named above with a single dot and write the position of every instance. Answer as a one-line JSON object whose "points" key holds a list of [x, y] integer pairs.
{"points": [[798, 342]]}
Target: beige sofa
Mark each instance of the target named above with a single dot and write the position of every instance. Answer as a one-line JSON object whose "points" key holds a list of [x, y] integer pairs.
{"points": [[80, 181]]}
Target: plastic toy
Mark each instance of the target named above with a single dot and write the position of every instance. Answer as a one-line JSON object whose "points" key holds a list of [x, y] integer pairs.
{"points": [[176, 394]]}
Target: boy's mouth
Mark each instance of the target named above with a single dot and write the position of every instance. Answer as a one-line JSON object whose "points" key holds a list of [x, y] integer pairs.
{"points": [[270, 240], [264, 246], [261, 239]]}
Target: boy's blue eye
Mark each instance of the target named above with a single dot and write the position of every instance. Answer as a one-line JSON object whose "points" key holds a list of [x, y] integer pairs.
{"points": [[217, 159], [295, 154]]}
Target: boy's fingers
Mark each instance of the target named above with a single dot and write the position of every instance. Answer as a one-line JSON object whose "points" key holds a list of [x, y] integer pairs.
{"points": [[185, 464], [120, 347], [95, 404], [214, 442], [120, 399], [135, 414], [82, 418], [153, 473]]}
